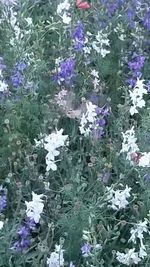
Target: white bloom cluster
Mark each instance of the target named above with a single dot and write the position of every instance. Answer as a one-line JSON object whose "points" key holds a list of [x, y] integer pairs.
{"points": [[131, 257], [138, 230], [119, 29], [8, 2], [129, 145], [1, 224], [96, 80], [61, 98], [56, 258], [137, 233], [51, 143], [35, 207], [137, 96], [88, 119], [18, 33], [144, 160], [3, 84], [101, 44], [118, 198], [63, 12]]}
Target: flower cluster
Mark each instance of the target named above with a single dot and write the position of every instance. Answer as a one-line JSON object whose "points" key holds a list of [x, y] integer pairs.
{"points": [[65, 71], [131, 257], [63, 11], [137, 96], [3, 203], [129, 145], [135, 66], [17, 76], [78, 37], [136, 234], [51, 143], [35, 207], [101, 45], [3, 84], [56, 258], [118, 198], [93, 120], [23, 241]]}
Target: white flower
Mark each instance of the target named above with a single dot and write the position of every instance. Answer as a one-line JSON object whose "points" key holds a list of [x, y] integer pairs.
{"points": [[136, 96], [87, 50], [118, 198], [128, 258], [51, 143], [29, 21], [101, 44], [138, 230], [3, 86], [144, 160], [142, 253], [94, 73], [62, 10], [60, 97], [8, 2], [88, 119], [1, 224], [66, 18], [63, 6], [129, 143], [91, 111], [35, 207], [56, 258]]}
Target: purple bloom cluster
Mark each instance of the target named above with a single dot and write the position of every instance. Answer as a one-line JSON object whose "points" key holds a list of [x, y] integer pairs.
{"points": [[131, 17], [23, 241], [146, 20], [112, 6], [101, 122], [3, 199], [135, 66], [17, 76], [86, 249], [78, 37], [66, 71]]}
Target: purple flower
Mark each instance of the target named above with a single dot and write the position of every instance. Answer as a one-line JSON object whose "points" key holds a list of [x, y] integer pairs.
{"points": [[148, 86], [78, 37], [137, 63], [65, 71], [147, 178], [130, 17], [3, 202], [94, 99], [86, 249], [131, 81], [21, 66], [112, 6], [101, 122], [23, 231], [31, 224], [146, 20], [17, 79], [98, 133], [105, 111], [21, 245]]}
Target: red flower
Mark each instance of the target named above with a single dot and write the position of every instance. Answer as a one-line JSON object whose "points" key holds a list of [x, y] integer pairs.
{"points": [[82, 5]]}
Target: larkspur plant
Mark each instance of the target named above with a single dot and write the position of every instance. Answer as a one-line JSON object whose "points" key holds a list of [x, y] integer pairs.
{"points": [[75, 133]]}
